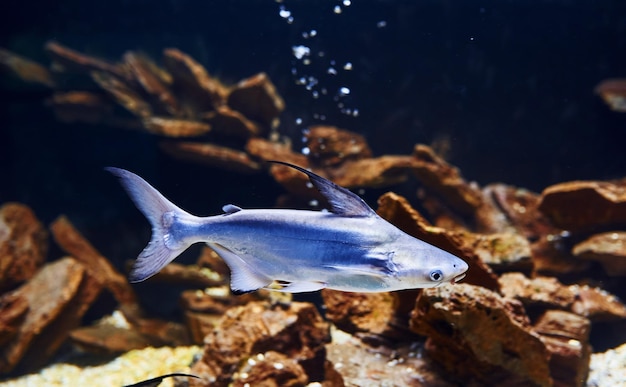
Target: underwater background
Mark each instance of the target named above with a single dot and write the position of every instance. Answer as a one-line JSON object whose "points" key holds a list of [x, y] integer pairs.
{"points": [[503, 90]]}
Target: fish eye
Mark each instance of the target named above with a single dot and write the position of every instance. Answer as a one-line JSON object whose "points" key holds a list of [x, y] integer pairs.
{"points": [[436, 275]]}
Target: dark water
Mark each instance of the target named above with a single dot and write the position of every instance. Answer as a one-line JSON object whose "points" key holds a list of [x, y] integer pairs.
{"points": [[507, 84]]}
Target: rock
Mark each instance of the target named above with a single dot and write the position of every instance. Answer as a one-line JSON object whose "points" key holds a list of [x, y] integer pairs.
{"points": [[364, 314], [13, 309], [189, 276], [517, 210], [375, 172], [123, 94], [25, 69], [542, 292], [549, 293], [597, 304], [174, 127], [58, 296], [584, 206], [613, 93], [363, 365], [295, 330], [607, 248], [475, 334], [329, 146], [504, 252], [566, 337], [153, 82], [83, 106], [551, 256], [231, 123], [270, 369], [100, 268], [23, 245], [445, 181], [273, 150], [73, 61], [397, 210], [126, 330], [198, 91], [257, 99]]}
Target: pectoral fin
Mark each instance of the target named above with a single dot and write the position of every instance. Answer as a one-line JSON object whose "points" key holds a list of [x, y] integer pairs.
{"points": [[243, 277]]}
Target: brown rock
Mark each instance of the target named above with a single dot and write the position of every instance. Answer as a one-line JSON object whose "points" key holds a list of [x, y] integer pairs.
{"points": [[377, 172], [607, 248], [582, 206], [271, 369], [377, 314], [597, 304], [23, 245], [504, 252], [173, 127], [82, 106], [551, 256], [545, 292], [397, 210], [211, 155], [296, 330], [209, 259], [72, 242], [190, 276], [197, 90], [123, 94], [74, 61], [566, 337], [446, 181], [25, 69], [272, 150], [108, 339], [257, 99], [13, 308], [58, 296], [330, 146], [476, 334], [548, 292], [231, 123], [613, 93], [520, 209], [152, 82]]}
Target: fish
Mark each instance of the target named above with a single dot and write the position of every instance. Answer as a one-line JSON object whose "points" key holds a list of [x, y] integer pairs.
{"points": [[347, 247]]}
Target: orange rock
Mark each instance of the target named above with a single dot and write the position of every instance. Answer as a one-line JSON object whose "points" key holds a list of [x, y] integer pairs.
{"points": [[607, 248], [271, 369], [25, 69], [81, 106], [72, 242], [257, 99], [330, 146], [123, 94], [173, 127], [232, 123], [475, 334], [58, 296], [74, 61], [23, 245], [583, 206], [613, 92]]}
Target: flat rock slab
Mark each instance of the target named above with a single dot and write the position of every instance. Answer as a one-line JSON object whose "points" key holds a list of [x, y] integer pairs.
{"points": [[581, 206], [58, 296]]}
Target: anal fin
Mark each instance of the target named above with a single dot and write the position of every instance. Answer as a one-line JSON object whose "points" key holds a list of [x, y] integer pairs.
{"points": [[301, 287], [243, 278]]}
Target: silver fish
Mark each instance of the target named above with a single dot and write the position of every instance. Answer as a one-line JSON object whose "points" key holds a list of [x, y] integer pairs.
{"points": [[348, 248]]}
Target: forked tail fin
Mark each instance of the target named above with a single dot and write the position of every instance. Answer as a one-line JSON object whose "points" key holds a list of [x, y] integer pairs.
{"points": [[166, 243]]}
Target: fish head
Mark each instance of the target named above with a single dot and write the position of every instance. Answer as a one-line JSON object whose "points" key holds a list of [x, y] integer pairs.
{"points": [[431, 267]]}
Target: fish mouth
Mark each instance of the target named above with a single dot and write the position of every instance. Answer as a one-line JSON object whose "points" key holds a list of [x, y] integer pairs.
{"points": [[457, 278]]}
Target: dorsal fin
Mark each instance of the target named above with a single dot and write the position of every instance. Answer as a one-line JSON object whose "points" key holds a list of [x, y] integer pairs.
{"points": [[231, 209], [342, 201]]}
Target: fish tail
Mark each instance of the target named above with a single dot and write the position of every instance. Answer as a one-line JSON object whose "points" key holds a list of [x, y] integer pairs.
{"points": [[168, 225]]}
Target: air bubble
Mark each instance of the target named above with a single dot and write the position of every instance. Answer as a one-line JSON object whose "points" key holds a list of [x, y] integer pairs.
{"points": [[381, 24], [284, 13], [346, 3], [337, 9], [298, 121], [347, 66], [314, 203], [301, 51], [306, 151], [332, 71], [343, 91]]}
